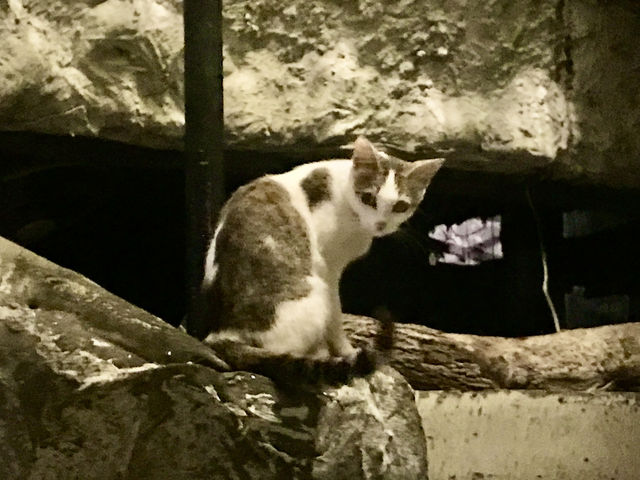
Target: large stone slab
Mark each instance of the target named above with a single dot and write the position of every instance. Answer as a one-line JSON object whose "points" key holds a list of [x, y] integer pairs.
{"points": [[500, 86], [518, 435], [605, 88], [93, 387], [108, 69]]}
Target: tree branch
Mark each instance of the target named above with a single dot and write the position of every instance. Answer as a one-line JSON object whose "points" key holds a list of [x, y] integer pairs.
{"points": [[601, 358]]}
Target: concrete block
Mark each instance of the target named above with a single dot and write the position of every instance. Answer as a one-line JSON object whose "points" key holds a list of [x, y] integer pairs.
{"points": [[524, 435]]}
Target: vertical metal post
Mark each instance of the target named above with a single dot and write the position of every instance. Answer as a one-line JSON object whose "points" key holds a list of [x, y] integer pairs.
{"points": [[204, 167]]}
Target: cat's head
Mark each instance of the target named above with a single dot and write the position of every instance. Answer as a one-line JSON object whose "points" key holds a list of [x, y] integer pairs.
{"points": [[387, 190]]}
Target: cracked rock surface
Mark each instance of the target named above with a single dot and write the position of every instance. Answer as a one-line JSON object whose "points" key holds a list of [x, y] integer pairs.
{"points": [[499, 86], [93, 387]]}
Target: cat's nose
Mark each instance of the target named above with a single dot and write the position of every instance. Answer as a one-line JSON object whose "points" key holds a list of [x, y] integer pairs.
{"points": [[380, 226]]}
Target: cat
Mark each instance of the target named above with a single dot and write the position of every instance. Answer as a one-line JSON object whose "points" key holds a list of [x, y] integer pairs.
{"points": [[273, 266]]}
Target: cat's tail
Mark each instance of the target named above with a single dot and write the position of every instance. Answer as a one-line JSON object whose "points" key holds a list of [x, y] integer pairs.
{"points": [[385, 336], [287, 370]]}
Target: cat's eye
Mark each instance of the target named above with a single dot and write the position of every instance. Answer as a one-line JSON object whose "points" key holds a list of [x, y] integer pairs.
{"points": [[368, 199], [400, 206]]}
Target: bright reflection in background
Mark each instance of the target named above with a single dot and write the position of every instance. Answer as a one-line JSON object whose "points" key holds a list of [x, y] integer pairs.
{"points": [[471, 242]]}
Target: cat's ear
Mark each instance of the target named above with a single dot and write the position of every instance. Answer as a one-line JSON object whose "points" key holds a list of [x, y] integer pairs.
{"points": [[422, 171], [364, 154]]}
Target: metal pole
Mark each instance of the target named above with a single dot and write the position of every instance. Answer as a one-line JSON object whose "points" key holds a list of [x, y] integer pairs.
{"points": [[204, 167]]}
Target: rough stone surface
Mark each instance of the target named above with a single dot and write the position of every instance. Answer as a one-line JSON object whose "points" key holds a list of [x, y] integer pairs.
{"points": [[410, 74], [501, 86], [110, 69], [605, 82], [372, 437], [92, 387], [524, 435]]}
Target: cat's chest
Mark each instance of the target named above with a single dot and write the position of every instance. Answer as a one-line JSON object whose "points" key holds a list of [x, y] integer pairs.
{"points": [[340, 238], [319, 192], [345, 250]]}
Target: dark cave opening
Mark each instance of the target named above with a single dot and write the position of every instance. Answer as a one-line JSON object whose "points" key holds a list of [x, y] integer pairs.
{"points": [[115, 213]]}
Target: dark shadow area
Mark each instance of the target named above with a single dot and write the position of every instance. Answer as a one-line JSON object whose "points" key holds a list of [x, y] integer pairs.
{"points": [[121, 227], [115, 213]]}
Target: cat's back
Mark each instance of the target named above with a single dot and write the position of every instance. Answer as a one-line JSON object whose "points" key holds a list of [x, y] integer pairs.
{"points": [[271, 199], [259, 257], [311, 184], [257, 214]]}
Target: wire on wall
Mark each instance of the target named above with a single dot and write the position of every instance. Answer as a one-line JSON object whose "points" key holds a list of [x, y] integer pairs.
{"points": [[545, 267]]}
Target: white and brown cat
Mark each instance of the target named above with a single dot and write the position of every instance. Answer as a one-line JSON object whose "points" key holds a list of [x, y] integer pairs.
{"points": [[274, 264]]}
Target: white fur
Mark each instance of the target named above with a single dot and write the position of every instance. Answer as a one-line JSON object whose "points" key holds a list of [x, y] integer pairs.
{"points": [[337, 234], [210, 267], [340, 230], [389, 192], [269, 242], [301, 325], [227, 334]]}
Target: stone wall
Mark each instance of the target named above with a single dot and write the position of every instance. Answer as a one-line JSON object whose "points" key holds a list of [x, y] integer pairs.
{"points": [[500, 86]]}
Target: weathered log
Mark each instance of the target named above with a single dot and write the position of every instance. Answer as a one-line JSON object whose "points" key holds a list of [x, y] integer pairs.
{"points": [[601, 358]]}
